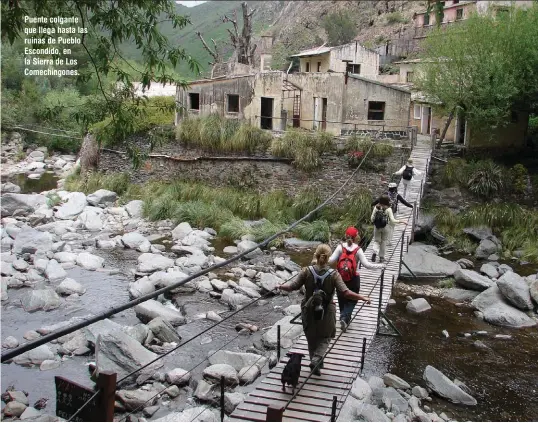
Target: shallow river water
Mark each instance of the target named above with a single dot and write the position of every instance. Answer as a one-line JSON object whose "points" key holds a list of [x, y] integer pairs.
{"points": [[503, 377]]}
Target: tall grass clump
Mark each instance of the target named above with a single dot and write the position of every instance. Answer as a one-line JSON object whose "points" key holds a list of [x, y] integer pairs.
{"points": [[486, 178], [117, 182], [454, 172], [216, 133], [201, 214], [233, 229], [306, 201], [317, 230], [248, 138], [303, 147]]}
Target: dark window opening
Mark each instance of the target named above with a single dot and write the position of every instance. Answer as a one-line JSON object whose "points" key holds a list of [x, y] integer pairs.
{"points": [[233, 103], [426, 19], [319, 66], [307, 66], [353, 68], [501, 12], [455, 1], [459, 14], [409, 76], [376, 110], [194, 100]]}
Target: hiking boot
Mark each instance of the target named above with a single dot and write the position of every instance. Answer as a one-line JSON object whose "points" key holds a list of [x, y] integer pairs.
{"points": [[316, 368], [373, 258], [343, 325]]}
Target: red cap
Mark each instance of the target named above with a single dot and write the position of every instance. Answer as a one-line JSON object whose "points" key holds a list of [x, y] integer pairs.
{"points": [[352, 232]]}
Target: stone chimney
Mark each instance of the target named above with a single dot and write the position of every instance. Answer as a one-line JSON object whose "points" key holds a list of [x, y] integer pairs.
{"points": [[266, 45]]}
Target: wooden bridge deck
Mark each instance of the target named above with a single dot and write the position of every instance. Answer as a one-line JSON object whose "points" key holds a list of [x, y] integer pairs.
{"points": [[342, 363]]}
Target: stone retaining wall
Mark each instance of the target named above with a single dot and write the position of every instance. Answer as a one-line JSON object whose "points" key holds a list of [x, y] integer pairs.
{"points": [[252, 172]]}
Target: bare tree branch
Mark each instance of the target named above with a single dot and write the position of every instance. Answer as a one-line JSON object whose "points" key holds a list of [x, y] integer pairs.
{"points": [[214, 54]]}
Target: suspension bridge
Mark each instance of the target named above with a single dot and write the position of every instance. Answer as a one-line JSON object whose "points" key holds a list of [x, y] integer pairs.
{"points": [[320, 398]]}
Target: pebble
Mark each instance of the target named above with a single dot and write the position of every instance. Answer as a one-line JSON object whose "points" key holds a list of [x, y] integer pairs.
{"points": [[409, 298], [172, 391], [445, 333], [501, 336], [392, 301], [10, 342], [481, 332]]}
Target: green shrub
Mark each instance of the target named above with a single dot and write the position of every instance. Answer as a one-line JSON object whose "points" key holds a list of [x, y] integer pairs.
{"points": [[53, 200], [303, 147], [313, 231], [375, 159], [454, 172], [395, 18], [486, 178], [340, 28], [233, 229], [447, 283], [117, 182], [519, 176], [249, 138], [305, 201]]}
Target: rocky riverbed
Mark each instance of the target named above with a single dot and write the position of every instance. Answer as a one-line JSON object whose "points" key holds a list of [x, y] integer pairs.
{"points": [[79, 255]]}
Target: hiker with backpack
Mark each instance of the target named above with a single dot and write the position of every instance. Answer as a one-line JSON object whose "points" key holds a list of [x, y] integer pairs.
{"points": [[394, 199], [346, 256], [407, 172], [382, 217], [318, 311]]}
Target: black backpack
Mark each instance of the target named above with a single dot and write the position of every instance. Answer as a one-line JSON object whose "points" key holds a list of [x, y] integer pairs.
{"points": [[380, 219], [408, 173]]}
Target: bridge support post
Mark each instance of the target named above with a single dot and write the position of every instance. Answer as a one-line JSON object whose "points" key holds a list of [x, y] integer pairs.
{"points": [[333, 411], [392, 281], [415, 215], [278, 343], [222, 385], [363, 353], [401, 254], [380, 299], [274, 414]]}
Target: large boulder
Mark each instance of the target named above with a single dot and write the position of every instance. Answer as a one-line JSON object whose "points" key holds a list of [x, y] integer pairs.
{"points": [[118, 352], [459, 295], [489, 270], [133, 240], [445, 388], [424, 223], [534, 290], [29, 241], [195, 414], [10, 187], [393, 401], [181, 231], [70, 286], [178, 376], [91, 220], [270, 282], [35, 357], [101, 327], [54, 271], [396, 382], [425, 264], [149, 262], [237, 360], [418, 305], [232, 400], [76, 201], [370, 413], [101, 196], [478, 233], [289, 332], [515, 290], [134, 208], [41, 299], [487, 247], [498, 312], [133, 400], [214, 373], [90, 261], [140, 287], [27, 202], [472, 280], [247, 245], [163, 330], [361, 390], [149, 310]]}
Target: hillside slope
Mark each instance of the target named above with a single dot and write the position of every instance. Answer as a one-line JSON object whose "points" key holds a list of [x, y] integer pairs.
{"points": [[295, 25]]}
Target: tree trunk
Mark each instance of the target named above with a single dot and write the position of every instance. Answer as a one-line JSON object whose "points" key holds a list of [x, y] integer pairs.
{"points": [[445, 129], [89, 154]]}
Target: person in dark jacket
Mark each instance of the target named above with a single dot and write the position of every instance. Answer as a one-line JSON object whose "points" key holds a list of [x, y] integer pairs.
{"points": [[394, 198], [318, 311]]}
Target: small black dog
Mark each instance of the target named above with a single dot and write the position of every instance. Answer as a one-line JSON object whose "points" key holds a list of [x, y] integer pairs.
{"points": [[290, 374]]}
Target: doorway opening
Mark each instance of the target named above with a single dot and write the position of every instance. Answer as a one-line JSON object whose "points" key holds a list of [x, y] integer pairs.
{"points": [[266, 121], [323, 114], [461, 125]]}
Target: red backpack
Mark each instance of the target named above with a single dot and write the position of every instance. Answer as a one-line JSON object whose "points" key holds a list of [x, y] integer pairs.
{"points": [[347, 264]]}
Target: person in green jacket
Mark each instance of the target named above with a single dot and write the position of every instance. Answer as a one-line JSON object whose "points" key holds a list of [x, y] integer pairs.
{"points": [[318, 311]]}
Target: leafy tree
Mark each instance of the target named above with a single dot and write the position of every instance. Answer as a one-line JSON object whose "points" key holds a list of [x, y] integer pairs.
{"points": [[110, 23], [484, 68], [340, 28]]}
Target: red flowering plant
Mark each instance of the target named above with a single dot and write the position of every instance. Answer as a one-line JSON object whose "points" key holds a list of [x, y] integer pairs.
{"points": [[355, 157]]}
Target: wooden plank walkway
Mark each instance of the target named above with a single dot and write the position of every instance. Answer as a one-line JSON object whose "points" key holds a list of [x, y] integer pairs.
{"points": [[342, 363]]}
